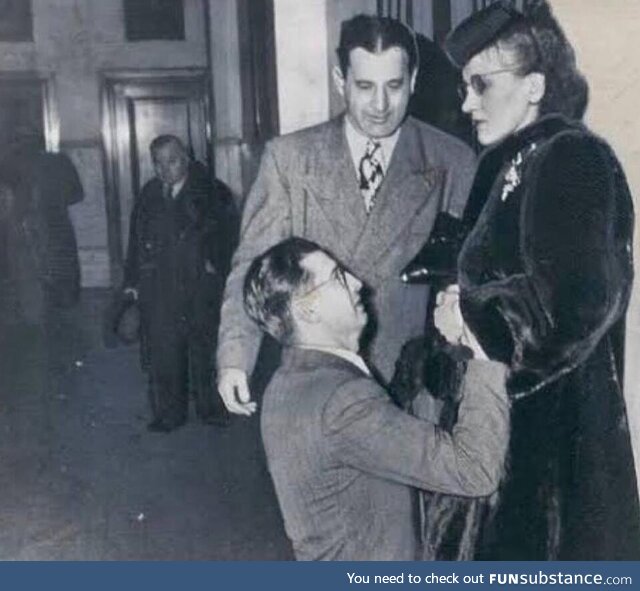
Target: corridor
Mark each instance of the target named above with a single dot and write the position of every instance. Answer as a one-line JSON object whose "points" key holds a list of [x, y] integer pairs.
{"points": [[82, 478]]}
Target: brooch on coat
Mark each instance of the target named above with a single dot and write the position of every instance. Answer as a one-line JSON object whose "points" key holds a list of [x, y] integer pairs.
{"points": [[513, 177]]}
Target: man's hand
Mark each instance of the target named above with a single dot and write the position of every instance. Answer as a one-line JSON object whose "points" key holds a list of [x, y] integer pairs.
{"points": [[234, 390], [447, 316], [132, 292], [469, 339], [449, 321]]}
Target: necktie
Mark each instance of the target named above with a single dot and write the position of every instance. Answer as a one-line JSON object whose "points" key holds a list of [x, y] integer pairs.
{"points": [[371, 173], [167, 191]]}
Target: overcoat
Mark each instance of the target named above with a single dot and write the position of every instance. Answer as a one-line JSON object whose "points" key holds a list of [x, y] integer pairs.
{"points": [[545, 280], [177, 259], [45, 185]]}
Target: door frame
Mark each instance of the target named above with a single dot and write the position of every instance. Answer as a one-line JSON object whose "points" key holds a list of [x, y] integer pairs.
{"points": [[109, 80]]}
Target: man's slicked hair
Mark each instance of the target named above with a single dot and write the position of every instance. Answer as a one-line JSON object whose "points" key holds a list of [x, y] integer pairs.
{"points": [[375, 34], [164, 140], [270, 282]]}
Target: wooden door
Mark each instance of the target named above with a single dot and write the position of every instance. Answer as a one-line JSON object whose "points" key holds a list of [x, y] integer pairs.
{"points": [[139, 108]]}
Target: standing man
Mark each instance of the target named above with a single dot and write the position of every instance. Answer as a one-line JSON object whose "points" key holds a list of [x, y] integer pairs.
{"points": [[179, 247], [368, 185], [342, 456]]}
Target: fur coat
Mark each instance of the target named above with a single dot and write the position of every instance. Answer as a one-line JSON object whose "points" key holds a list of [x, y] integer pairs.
{"points": [[545, 280]]}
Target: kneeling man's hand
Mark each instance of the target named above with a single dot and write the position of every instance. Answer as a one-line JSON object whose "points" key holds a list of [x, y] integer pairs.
{"points": [[449, 321]]}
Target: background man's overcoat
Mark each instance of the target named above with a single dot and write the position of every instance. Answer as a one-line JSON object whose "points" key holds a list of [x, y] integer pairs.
{"points": [[179, 250]]}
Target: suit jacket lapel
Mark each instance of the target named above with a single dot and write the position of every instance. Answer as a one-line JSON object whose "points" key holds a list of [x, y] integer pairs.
{"points": [[410, 183], [332, 183]]}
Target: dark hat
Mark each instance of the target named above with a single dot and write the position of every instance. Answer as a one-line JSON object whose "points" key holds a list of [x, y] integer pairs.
{"points": [[477, 32]]}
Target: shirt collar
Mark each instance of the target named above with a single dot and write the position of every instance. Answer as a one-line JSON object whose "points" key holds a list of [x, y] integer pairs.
{"points": [[358, 144], [349, 356], [177, 187]]}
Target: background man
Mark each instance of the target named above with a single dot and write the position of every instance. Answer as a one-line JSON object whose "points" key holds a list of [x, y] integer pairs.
{"points": [[342, 456], [44, 185], [179, 248], [368, 184]]}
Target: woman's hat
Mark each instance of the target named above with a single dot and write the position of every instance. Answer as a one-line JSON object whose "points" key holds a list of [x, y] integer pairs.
{"points": [[476, 32]]}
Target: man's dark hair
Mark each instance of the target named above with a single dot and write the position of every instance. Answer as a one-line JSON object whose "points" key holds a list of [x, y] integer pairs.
{"points": [[164, 140], [375, 34], [272, 279]]}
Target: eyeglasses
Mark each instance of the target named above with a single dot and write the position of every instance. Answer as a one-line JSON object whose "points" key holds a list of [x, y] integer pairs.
{"points": [[478, 82], [339, 275]]}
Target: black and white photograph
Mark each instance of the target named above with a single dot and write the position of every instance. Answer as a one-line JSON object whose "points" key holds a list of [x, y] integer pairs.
{"points": [[319, 280]]}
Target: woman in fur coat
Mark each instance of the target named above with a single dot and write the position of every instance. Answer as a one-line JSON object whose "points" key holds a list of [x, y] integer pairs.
{"points": [[545, 278]]}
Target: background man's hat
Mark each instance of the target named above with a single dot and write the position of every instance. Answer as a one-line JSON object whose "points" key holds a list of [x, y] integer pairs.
{"points": [[478, 31]]}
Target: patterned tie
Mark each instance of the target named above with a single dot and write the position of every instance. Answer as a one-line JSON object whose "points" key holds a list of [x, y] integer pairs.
{"points": [[371, 173]]}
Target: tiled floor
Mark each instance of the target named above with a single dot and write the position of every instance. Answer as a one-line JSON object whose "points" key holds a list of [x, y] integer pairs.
{"points": [[82, 479]]}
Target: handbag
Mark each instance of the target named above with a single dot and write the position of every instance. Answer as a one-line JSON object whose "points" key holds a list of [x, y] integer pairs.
{"points": [[437, 260], [122, 320]]}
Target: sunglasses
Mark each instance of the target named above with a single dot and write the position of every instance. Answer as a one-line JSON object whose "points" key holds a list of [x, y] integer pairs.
{"points": [[478, 82]]}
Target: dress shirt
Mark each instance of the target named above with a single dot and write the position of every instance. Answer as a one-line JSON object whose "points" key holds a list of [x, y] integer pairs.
{"points": [[358, 146], [177, 187]]}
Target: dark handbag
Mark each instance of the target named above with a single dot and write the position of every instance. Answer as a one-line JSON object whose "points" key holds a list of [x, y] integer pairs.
{"points": [[437, 260], [122, 320]]}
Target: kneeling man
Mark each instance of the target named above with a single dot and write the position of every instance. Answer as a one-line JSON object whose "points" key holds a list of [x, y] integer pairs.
{"points": [[344, 459]]}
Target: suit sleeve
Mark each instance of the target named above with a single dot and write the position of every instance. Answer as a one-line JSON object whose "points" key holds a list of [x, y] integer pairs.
{"points": [[368, 432], [266, 220], [577, 280]]}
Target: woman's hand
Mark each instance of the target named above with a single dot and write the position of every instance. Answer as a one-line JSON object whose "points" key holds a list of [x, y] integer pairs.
{"points": [[448, 319]]}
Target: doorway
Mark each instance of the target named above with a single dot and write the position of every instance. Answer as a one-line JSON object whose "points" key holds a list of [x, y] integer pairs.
{"points": [[137, 108]]}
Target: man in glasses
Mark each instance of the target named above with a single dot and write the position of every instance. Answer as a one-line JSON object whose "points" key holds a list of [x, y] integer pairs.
{"points": [[368, 184], [342, 457]]}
